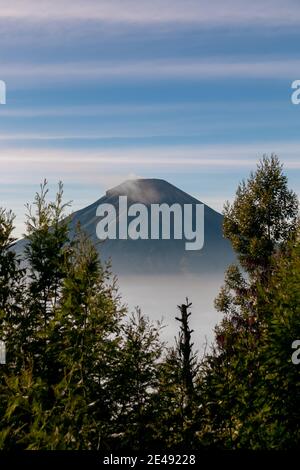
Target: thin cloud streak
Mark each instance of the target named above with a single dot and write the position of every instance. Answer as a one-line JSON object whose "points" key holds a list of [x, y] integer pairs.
{"points": [[136, 108], [214, 156], [43, 74], [215, 12]]}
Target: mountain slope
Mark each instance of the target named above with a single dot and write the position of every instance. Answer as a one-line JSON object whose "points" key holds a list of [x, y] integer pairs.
{"points": [[155, 256]]}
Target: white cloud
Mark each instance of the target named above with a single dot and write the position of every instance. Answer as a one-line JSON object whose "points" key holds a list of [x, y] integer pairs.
{"points": [[157, 11], [87, 164], [134, 109], [97, 170], [21, 74]]}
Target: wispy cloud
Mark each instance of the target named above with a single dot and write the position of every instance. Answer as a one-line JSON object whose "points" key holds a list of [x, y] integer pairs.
{"points": [[42, 73], [134, 109], [95, 171], [157, 11], [84, 162]]}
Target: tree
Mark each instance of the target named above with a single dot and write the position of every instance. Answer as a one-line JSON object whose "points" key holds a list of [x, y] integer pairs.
{"points": [[136, 381], [46, 258], [260, 223], [87, 341], [262, 217], [279, 395], [11, 288], [185, 351], [60, 395], [177, 403]]}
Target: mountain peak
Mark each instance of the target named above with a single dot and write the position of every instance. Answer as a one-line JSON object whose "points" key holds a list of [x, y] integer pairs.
{"points": [[153, 256], [149, 191]]}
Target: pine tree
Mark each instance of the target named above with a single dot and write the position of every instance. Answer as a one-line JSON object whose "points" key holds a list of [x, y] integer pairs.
{"points": [[178, 399], [136, 383], [185, 351], [45, 255], [61, 394], [11, 288], [87, 341]]}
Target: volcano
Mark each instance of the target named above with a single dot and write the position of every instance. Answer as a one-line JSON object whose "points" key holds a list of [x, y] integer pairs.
{"points": [[150, 256], [156, 256], [158, 274]]}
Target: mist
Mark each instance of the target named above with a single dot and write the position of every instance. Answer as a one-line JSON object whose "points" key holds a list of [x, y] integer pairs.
{"points": [[159, 297]]}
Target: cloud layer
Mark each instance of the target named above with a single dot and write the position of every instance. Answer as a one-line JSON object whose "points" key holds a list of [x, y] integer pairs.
{"points": [[156, 11]]}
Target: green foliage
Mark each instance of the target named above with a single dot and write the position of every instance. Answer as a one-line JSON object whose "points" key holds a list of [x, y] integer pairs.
{"points": [[177, 401], [64, 344], [82, 374], [280, 307], [136, 381], [11, 286], [262, 217], [249, 386]]}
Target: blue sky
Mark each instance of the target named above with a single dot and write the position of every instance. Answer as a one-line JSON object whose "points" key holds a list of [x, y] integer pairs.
{"points": [[191, 91]]}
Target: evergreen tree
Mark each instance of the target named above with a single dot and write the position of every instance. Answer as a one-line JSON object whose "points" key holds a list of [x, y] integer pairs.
{"points": [[260, 224], [278, 398], [136, 381], [45, 255], [185, 352], [11, 288], [80, 375], [60, 397], [87, 339], [262, 217], [178, 417]]}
